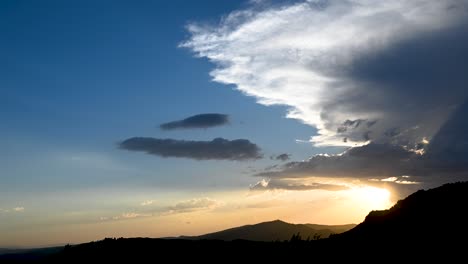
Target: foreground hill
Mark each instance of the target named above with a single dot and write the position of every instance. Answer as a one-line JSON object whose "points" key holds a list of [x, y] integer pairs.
{"points": [[276, 231], [432, 217]]}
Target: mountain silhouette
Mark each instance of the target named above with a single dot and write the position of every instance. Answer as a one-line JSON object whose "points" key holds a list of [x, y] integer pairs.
{"points": [[275, 231], [428, 225], [436, 217]]}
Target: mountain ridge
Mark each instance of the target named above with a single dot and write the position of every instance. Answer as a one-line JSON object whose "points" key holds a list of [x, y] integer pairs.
{"points": [[275, 230], [413, 219], [426, 225]]}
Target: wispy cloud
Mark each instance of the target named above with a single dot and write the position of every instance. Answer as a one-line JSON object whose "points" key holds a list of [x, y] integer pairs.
{"points": [[147, 202], [217, 149], [185, 206], [399, 180], [18, 209], [123, 216], [281, 157], [195, 204], [197, 121], [294, 185]]}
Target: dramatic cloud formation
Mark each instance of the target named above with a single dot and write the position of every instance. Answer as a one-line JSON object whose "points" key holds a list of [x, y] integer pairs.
{"points": [[445, 159], [194, 205], [197, 121], [282, 157], [217, 149], [288, 184], [390, 72], [385, 78]]}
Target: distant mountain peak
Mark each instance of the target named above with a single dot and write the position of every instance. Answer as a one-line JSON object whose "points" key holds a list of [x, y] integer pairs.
{"points": [[275, 230]]}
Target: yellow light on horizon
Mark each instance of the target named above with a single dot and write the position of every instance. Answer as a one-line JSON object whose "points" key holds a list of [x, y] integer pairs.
{"points": [[372, 197]]}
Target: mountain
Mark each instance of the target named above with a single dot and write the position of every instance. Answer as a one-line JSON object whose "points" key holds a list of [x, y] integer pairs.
{"points": [[427, 226], [25, 255], [435, 217], [275, 231]]}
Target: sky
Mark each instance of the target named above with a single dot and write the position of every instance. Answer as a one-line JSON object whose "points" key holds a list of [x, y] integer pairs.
{"points": [[167, 118]]}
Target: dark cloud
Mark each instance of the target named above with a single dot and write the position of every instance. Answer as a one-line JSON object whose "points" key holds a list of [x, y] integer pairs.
{"points": [[448, 150], [217, 149], [420, 84], [373, 160], [197, 121], [282, 184], [413, 85], [282, 157], [444, 159]]}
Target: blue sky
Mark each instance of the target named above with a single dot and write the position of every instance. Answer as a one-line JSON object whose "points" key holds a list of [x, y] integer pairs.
{"points": [[78, 78]]}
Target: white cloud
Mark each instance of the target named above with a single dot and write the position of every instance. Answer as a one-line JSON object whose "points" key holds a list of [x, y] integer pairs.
{"points": [[147, 202], [399, 180], [195, 204], [295, 185], [18, 209], [129, 215], [358, 70]]}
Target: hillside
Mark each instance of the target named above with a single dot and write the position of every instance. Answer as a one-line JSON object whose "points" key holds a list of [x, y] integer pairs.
{"points": [[427, 224], [276, 231], [435, 216]]}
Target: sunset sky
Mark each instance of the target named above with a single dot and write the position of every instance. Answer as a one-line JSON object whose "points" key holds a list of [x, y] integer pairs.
{"points": [[168, 118]]}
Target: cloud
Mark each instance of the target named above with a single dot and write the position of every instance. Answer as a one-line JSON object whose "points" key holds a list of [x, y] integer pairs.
{"points": [[294, 185], [387, 79], [192, 205], [18, 209], [360, 71], [129, 215], [15, 209], [217, 149], [398, 180], [445, 159], [448, 150], [195, 204], [147, 202], [197, 121], [282, 157], [372, 160]]}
